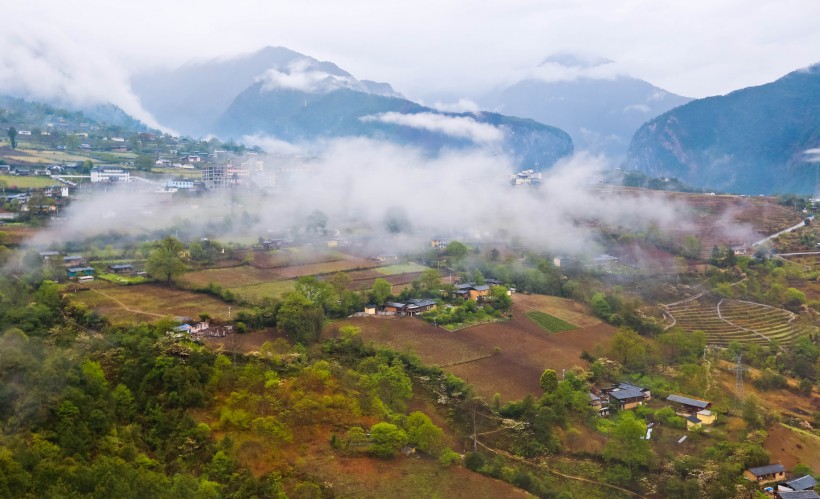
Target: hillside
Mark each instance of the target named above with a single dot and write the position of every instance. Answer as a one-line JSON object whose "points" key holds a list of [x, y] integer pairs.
{"points": [[751, 141], [295, 115], [600, 113]]}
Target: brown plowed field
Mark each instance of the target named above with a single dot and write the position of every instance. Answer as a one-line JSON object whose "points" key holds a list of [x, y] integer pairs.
{"points": [[526, 349]]}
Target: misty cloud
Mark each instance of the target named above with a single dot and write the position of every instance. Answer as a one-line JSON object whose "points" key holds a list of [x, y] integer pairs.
{"points": [[462, 105], [397, 197], [462, 127], [51, 66], [303, 76]]}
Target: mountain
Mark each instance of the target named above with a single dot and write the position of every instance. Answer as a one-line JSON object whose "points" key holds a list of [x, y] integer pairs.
{"points": [[293, 97], [751, 141], [296, 116], [191, 98], [600, 109]]}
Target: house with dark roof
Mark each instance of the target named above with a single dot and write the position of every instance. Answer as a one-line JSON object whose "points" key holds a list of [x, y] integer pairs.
{"points": [[766, 474], [416, 306], [801, 483], [627, 396], [120, 268], [471, 291], [796, 494], [687, 405], [598, 404], [74, 261]]}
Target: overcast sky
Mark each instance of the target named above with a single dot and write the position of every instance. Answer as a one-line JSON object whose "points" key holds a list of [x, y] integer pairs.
{"points": [[86, 49]]}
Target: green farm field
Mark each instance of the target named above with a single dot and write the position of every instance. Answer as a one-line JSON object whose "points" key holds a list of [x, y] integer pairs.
{"points": [[27, 182], [550, 323]]}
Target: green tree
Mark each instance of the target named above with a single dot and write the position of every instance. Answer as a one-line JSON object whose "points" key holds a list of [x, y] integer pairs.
{"points": [[387, 439], [500, 299], [549, 381], [457, 251], [393, 385], [164, 262], [424, 434], [300, 318], [628, 349], [430, 280], [600, 306], [313, 289], [381, 290], [144, 162], [626, 441], [12, 133]]}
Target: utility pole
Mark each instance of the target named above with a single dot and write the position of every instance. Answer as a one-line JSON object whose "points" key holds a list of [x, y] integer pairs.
{"points": [[739, 391]]}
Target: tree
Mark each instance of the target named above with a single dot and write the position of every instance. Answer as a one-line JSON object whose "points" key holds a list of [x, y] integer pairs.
{"points": [[626, 443], [500, 299], [12, 133], [164, 262], [549, 381], [628, 349], [300, 318], [430, 280], [381, 290], [600, 306], [339, 282], [314, 290], [144, 162], [423, 433], [387, 438], [456, 250]]}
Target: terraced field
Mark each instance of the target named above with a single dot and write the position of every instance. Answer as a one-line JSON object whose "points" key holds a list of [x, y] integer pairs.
{"points": [[809, 262], [724, 321]]}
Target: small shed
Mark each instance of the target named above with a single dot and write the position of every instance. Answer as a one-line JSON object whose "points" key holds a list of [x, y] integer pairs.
{"points": [[370, 309]]}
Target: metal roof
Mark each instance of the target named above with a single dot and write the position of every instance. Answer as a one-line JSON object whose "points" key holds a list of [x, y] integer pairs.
{"points": [[802, 483], [680, 399], [768, 469], [798, 494], [628, 393]]}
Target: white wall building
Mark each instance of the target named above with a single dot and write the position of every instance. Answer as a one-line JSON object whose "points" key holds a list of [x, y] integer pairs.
{"points": [[110, 175]]}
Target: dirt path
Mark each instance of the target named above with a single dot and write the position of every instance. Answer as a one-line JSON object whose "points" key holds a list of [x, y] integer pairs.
{"points": [[126, 307]]}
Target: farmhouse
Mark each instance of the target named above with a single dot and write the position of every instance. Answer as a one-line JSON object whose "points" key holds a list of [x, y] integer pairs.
{"points": [[627, 396], [598, 404], [74, 261], [802, 483], [120, 268], [48, 255], [470, 291], [370, 309], [270, 244], [686, 406], [76, 272], [416, 306], [765, 474]]}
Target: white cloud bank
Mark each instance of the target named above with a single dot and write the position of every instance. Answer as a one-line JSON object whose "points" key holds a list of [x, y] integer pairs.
{"points": [[462, 127], [303, 76]]}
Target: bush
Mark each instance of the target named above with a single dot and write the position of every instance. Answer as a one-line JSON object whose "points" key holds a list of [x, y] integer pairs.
{"points": [[448, 458], [474, 461]]}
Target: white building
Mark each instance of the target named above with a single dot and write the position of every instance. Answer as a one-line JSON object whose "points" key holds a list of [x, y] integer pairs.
{"points": [[180, 183], [110, 175]]}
